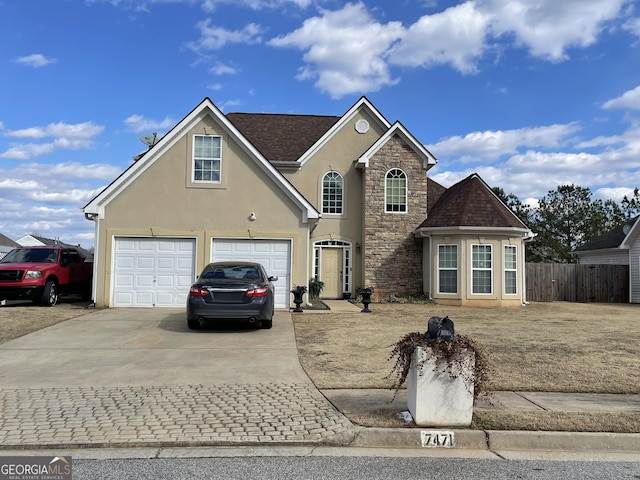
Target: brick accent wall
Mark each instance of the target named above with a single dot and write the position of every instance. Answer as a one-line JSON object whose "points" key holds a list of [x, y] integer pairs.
{"points": [[392, 255]]}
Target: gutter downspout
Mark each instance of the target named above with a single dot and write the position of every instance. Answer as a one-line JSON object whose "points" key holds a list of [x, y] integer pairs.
{"points": [[529, 237], [94, 280]]}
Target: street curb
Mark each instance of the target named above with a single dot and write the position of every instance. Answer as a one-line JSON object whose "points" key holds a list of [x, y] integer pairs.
{"points": [[412, 438], [568, 441], [499, 440]]}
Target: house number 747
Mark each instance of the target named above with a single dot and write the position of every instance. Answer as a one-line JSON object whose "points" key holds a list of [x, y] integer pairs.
{"points": [[437, 439]]}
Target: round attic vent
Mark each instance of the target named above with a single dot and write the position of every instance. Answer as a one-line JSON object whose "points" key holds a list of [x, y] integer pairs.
{"points": [[362, 126]]}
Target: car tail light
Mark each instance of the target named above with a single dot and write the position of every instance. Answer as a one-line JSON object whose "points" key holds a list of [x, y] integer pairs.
{"points": [[258, 292], [198, 292]]}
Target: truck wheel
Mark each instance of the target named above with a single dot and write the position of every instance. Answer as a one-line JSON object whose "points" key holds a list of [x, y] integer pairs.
{"points": [[50, 294]]}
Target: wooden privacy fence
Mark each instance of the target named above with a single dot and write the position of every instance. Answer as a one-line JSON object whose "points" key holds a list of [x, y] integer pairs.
{"points": [[570, 282]]}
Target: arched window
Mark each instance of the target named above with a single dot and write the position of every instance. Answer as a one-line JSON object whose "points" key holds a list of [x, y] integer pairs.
{"points": [[395, 191], [332, 193]]}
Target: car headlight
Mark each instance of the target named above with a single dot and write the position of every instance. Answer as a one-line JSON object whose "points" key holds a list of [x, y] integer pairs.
{"points": [[33, 274]]}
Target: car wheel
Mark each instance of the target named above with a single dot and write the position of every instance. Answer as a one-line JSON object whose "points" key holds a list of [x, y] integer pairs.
{"points": [[50, 294], [193, 323], [267, 323]]}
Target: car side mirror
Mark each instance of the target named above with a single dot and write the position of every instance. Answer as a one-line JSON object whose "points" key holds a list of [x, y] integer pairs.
{"points": [[273, 279]]}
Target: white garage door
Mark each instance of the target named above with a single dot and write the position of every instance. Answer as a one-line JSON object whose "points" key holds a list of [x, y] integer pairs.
{"points": [[274, 255], [153, 272]]}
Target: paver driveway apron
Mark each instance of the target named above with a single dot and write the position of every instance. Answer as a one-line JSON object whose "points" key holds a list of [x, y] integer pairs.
{"points": [[126, 376]]}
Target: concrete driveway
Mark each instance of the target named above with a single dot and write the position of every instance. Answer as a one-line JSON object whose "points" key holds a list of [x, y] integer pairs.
{"points": [[140, 377], [126, 346]]}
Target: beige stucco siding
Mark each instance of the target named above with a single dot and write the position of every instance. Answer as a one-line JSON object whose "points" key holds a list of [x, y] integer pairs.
{"points": [[339, 154], [164, 202]]}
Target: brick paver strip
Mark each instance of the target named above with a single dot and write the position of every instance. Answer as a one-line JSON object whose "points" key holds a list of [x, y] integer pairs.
{"points": [[169, 415]]}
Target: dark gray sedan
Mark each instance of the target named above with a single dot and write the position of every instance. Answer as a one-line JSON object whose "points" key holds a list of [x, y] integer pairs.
{"points": [[232, 290]]}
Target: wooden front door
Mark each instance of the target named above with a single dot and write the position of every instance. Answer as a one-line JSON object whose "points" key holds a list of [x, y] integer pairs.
{"points": [[332, 272]]}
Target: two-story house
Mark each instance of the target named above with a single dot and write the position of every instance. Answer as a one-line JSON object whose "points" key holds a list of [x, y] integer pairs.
{"points": [[341, 198]]}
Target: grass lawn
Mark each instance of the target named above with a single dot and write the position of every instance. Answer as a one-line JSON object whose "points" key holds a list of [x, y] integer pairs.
{"points": [[547, 347]]}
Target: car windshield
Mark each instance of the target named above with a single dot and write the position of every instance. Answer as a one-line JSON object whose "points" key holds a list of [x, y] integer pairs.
{"points": [[231, 272], [31, 255]]}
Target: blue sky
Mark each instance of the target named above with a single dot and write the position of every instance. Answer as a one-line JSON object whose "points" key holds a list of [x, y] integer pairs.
{"points": [[530, 94]]}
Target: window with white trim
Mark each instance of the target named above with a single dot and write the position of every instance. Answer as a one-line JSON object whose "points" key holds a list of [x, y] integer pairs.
{"points": [[447, 268], [481, 269], [332, 193], [510, 270], [395, 192], [207, 158]]}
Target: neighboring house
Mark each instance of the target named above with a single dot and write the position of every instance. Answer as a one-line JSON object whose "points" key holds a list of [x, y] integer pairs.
{"points": [[341, 198], [619, 246], [38, 241], [6, 245]]}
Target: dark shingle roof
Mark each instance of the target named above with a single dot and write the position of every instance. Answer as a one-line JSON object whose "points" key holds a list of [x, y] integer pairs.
{"points": [[611, 239], [281, 137], [434, 192], [471, 203]]}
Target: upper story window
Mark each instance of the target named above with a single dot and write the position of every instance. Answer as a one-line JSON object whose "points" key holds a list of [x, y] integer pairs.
{"points": [[395, 191], [207, 158], [332, 193]]}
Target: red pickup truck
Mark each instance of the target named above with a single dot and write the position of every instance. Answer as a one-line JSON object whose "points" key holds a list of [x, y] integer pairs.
{"points": [[42, 273]]}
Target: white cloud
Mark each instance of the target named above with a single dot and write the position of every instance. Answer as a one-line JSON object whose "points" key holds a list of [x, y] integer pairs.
{"points": [[455, 36], [348, 51], [35, 60], [530, 174], [632, 26], [228, 103], [84, 130], [139, 124], [65, 136], [214, 37], [491, 145], [206, 5], [222, 69], [628, 100], [549, 27], [27, 151], [344, 50]]}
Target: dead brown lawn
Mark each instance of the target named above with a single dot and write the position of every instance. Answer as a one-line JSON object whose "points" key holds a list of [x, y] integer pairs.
{"points": [[553, 347], [23, 318]]}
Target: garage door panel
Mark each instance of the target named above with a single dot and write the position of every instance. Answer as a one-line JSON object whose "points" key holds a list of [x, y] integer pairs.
{"points": [[153, 271], [274, 255], [145, 262]]}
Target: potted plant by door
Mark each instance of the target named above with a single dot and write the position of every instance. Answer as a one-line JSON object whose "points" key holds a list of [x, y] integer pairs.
{"points": [[298, 294], [443, 377], [315, 287]]}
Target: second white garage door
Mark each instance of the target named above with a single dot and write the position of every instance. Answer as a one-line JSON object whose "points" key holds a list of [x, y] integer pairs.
{"points": [[274, 255], [152, 272]]}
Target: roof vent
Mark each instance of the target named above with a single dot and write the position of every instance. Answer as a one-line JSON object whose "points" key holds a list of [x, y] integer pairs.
{"points": [[626, 229], [362, 126]]}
